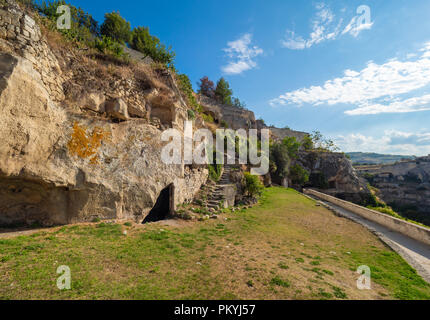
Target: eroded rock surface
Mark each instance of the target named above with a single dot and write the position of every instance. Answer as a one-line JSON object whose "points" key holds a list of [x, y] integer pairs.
{"points": [[60, 163]]}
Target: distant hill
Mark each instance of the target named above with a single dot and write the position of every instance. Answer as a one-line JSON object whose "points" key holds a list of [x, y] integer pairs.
{"points": [[375, 158]]}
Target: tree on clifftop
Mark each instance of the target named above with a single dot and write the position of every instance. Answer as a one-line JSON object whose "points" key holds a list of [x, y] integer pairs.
{"points": [[143, 41], [116, 27], [223, 92], [206, 87]]}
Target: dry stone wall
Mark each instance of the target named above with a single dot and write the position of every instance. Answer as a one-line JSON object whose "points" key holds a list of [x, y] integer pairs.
{"points": [[19, 33]]}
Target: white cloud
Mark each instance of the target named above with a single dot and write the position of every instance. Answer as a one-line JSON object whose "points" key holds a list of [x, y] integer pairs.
{"points": [[415, 104], [392, 142], [354, 29], [324, 28], [321, 30], [374, 89], [241, 54]]}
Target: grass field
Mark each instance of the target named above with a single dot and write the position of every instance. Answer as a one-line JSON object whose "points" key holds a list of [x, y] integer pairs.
{"points": [[286, 247]]}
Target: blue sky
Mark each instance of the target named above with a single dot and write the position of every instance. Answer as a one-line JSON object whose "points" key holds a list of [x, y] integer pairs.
{"points": [[361, 77]]}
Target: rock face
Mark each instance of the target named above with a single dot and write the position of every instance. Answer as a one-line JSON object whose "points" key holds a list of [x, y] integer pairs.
{"points": [[404, 185], [60, 164], [334, 174]]}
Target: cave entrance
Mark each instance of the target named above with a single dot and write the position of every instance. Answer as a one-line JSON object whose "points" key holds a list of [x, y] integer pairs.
{"points": [[163, 207]]}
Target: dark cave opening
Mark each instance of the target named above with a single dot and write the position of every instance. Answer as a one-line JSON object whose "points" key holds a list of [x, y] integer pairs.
{"points": [[163, 207]]}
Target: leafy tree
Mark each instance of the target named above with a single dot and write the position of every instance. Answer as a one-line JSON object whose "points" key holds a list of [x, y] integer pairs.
{"points": [[280, 160], [292, 146], [299, 175], [143, 41], [83, 27], [323, 144], [253, 185], [116, 27], [223, 92], [206, 87], [238, 104], [307, 143]]}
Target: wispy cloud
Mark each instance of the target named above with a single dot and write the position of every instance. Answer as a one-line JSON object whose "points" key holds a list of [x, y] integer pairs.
{"points": [[241, 54], [361, 22], [375, 89], [392, 142], [414, 104], [325, 27], [355, 27]]}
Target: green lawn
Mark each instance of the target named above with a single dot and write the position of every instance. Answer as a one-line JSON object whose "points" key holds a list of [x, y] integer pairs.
{"points": [[285, 248]]}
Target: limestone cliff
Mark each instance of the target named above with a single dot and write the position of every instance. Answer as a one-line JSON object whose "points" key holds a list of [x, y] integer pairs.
{"points": [[81, 140], [405, 185]]}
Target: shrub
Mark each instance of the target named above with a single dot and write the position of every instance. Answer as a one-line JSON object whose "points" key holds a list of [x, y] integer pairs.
{"points": [[186, 88], [238, 104], [318, 180], [83, 29], [208, 118], [293, 146], [215, 171], [143, 41], [116, 28], [280, 160], [299, 175], [191, 114], [107, 45], [224, 124], [253, 185]]}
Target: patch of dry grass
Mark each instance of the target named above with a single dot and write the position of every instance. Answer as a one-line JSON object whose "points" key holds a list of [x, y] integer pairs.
{"points": [[284, 248]]}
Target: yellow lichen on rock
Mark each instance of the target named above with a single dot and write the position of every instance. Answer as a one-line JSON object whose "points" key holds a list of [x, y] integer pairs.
{"points": [[85, 145]]}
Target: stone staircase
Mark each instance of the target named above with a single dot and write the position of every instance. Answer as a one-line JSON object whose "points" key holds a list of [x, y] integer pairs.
{"points": [[214, 193], [216, 198]]}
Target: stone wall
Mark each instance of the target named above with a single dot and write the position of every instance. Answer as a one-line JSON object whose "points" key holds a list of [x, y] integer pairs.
{"points": [[409, 229], [237, 118], [20, 34]]}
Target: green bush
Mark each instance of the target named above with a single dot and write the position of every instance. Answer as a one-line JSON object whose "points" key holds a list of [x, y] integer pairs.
{"points": [[208, 118], [144, 42], [191, 114], [215, 171], [253, 185], [186, 88], [84, 28], [224, 124], [299, 175], [116, 28], [280, 161], [293, 146], [107, 45]]}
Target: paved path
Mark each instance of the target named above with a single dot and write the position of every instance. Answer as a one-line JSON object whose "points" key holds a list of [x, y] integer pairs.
{"points": [[416, 253]]}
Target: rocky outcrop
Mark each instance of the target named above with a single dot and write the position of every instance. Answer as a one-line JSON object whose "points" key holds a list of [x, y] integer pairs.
{"points": [[73, 150], [333, 173], [404, 185]]}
